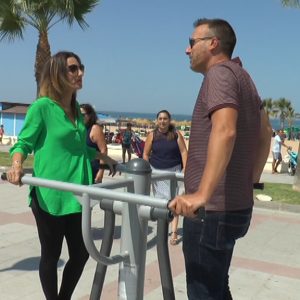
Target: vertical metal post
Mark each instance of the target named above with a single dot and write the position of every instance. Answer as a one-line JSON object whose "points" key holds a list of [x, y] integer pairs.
{"points": [[106, 245], [134, 235], [163, 250], [164, 260]]}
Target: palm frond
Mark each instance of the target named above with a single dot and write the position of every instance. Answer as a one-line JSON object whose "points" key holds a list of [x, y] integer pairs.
{"points": [[291, 3], [12, 24], [72, 10], [15, 15]]}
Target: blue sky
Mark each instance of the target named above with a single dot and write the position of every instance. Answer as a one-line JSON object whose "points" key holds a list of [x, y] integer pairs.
{"points": [[134, 53]]}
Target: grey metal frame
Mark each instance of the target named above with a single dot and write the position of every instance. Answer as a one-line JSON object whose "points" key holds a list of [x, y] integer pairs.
{"points": [[136, 208]]}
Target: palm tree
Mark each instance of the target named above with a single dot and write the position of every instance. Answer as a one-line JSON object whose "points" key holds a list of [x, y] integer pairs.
{"points": [[295, 3], [268, 106], [296, 186], [290, 116], [281, 107], [15, 16]]}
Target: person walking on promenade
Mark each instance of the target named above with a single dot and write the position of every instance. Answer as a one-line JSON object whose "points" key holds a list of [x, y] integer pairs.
{"points": [[54, 130], [127, 137], [276, 151], [165, 149], [1, 133], [95, 138], [229, 145]]}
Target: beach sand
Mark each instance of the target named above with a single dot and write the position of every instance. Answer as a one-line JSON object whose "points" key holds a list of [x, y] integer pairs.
{"points": [[115, 151]]}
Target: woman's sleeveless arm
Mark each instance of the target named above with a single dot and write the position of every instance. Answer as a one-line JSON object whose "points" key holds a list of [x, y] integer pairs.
{"points": [[97, 137], [148, 146], [182, 149]]}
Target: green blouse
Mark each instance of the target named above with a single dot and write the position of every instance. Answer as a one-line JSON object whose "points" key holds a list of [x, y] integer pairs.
{"points": [[60, 153]]}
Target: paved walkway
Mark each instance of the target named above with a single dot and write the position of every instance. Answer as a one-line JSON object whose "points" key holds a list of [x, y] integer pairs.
{"points": [[266, 263]]}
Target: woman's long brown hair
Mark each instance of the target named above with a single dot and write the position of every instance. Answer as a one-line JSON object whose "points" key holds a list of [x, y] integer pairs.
{"points": [[54, 78]]}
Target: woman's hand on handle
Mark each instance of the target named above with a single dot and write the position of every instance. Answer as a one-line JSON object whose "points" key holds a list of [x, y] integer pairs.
{"points": [[111, 164], [14, 174]]}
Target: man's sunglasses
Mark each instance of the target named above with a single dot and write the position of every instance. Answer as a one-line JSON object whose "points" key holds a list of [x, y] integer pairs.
{"points": [[196, 40], [75, 68]]}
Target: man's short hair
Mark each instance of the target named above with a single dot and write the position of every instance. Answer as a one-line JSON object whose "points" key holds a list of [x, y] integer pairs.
{"points": [[223, 31]]}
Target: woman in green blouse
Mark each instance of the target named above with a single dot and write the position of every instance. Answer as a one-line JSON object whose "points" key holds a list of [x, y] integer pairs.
{"points": [[55, 132]]}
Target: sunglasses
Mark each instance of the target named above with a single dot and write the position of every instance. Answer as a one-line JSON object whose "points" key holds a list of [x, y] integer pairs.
{"points": [[75, 68], [196, 40]]}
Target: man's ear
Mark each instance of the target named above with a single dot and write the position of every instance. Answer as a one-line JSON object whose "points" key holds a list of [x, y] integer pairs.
{"points": [[214, 44]]}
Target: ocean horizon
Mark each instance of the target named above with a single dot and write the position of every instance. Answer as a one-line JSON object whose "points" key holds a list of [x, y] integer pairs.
{"points": [[148, 116], [178, 117]]}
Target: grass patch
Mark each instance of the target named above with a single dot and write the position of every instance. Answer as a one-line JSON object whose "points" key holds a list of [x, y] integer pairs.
{"points": [[278, 191], [281, 193], [5, 160]]}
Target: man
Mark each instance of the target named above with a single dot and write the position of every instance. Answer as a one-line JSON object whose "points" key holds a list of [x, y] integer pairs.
{"points": [[229, 144], [276, 151], [1, 133], [127, 136]]}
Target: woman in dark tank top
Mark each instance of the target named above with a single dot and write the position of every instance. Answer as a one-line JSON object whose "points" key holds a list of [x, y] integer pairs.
{"points": [[165, 149], [95, 138]]}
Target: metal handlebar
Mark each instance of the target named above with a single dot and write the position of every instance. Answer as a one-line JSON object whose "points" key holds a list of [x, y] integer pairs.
{"points": [[136, 208], [119, 167]]}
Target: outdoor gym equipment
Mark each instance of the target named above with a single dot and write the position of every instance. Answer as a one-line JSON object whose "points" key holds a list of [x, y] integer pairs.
{"points": [[137, 209]]}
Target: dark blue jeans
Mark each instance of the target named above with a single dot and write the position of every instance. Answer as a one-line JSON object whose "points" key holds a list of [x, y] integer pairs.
{"points": [[208, 243]]}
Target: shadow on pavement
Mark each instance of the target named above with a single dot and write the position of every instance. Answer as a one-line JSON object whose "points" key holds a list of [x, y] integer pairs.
{"points": [[29, 264]]}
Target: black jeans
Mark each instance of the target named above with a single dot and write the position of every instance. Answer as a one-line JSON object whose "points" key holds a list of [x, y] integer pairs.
{"points": [[208, 243], [52, 230]]}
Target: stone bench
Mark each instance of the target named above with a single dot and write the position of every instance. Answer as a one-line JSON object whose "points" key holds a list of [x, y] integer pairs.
{"points": [[6, 140], [9, 140]]}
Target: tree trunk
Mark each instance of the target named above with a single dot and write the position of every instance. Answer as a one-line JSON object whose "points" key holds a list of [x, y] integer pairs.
{"points": [[43, 53], [296, 185], [281, 122]]}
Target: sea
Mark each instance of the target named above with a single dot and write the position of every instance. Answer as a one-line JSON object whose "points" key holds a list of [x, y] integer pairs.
{"points": [[148, 116], [178, 117]]}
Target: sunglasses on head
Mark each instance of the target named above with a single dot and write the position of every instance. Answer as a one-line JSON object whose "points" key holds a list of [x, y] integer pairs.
{"points": [[75, 68]]}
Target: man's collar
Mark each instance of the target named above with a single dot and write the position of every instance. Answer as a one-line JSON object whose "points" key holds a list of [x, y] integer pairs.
{"points": [[237, 60]]}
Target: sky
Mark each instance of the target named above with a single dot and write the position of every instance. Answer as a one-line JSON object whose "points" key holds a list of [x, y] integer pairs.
{"points": [[134, 53]]}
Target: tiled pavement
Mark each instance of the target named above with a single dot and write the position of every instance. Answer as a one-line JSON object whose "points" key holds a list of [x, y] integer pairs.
{"points": [[266, 263]]}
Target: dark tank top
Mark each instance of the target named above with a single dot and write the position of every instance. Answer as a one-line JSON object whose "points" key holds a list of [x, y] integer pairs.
{"points": [[89, 142], [95, 164], [165, 153]]}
